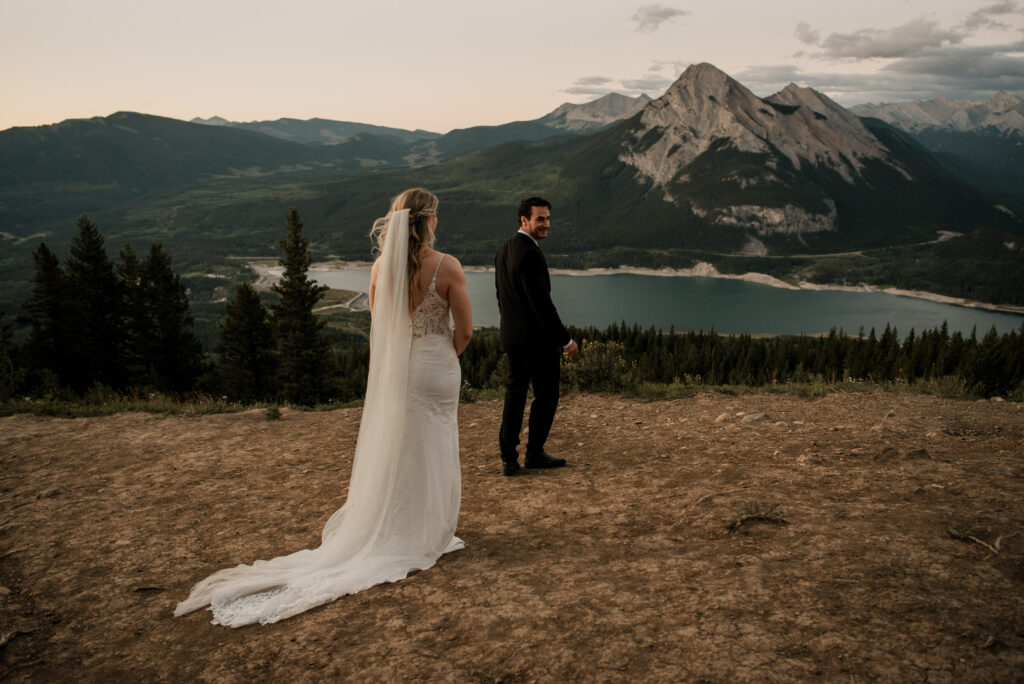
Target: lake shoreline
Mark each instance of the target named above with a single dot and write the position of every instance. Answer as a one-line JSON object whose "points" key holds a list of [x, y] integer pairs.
{"points": [[267, 275]]}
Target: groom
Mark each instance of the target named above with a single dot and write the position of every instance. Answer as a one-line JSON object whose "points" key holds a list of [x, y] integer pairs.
{"points": [[532, 335]]}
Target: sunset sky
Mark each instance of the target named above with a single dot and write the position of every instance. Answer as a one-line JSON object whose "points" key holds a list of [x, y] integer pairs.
{"points": [[456, 63]]}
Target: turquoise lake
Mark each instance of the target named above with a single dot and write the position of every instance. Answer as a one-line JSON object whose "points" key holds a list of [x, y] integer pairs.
{"points": [[728, 306]]}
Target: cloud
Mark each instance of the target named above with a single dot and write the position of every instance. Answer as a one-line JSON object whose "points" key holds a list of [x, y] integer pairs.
{"points": [[781, 73], [979, 64], [645, 84], [960, 73], [649, 17], [590, 85], [650, 84], [592, 80], [676, 66], [902, 41], [919, 60], [982, 18], [587, 90], [805, 34]]}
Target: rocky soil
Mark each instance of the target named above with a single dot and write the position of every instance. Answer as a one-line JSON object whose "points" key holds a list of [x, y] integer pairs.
{"points": [[716, 538]]}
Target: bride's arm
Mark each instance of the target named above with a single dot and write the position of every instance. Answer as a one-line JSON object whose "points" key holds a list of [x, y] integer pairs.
{"points": [[373, 284], [458, 300]]}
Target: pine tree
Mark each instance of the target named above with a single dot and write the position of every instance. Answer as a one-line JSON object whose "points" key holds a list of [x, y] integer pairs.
{"points": [[988, 371], [135, 318], [51, 348], [10, 372], [246, 359], [170, 351], [97, 312], [303, 351]]}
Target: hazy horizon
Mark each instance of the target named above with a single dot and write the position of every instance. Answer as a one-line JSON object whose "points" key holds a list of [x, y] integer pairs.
{"points": [[456, 63]]}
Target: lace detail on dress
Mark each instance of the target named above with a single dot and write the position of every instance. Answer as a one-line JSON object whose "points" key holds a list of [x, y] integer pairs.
{"points": [[433, 315]]}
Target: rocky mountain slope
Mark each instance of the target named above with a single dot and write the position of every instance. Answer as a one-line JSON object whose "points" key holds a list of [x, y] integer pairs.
{"points": [[591, 116], [567, 119], [790, 164], [705, 105]]}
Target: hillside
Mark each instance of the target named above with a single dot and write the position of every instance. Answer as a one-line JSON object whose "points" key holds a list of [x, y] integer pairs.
{"points": [[619, 567], [317, 130], [981, 143], [708, 166], [992, 164], [139, 152], [708, 172]]}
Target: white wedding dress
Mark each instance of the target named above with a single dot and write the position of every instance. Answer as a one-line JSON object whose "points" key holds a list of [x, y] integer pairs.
{"points": [[404, 495]]}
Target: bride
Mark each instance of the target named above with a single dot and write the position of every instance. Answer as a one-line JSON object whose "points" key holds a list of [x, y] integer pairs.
{"points": [[403, 499]]}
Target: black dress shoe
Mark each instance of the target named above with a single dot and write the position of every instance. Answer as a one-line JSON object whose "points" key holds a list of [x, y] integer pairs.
{"points": [[543, 460], [509, 466]]}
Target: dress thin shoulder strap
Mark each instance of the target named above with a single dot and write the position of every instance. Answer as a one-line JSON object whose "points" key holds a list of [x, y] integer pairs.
{"points": [[437, 269]]}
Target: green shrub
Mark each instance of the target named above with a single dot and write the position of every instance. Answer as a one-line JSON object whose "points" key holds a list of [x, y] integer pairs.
{"points": [[600, 367]]}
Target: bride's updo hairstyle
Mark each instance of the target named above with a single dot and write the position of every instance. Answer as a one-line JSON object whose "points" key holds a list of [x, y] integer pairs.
{"points": [[422, 204]]}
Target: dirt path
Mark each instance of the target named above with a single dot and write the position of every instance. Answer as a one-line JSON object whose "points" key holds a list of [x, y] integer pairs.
{"points": [[620, 567]]}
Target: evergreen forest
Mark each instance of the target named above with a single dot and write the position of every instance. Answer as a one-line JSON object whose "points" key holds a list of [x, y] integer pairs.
{"points": [[94, 329]]}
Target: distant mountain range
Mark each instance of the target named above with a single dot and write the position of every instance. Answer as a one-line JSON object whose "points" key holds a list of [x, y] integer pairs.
{"points": [[1002, 115], [981, 143], [572, 118], [317, 130], [140, 152], [707, 169]]}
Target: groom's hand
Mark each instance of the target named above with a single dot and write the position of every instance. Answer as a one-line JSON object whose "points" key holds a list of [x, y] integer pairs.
{"points": [[572, 349]]}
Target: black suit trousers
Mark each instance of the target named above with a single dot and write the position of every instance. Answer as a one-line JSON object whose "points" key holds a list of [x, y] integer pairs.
{"points": [[541, 368]]}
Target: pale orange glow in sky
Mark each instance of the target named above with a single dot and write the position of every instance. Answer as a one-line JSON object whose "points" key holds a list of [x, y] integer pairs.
{"points": [[458, 63]]}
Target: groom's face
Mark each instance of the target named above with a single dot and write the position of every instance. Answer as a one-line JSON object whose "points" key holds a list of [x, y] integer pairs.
{"points": [[538, 223]]}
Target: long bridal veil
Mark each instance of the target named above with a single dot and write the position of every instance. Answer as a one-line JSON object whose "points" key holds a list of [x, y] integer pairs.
{"points": [[361, 543]]}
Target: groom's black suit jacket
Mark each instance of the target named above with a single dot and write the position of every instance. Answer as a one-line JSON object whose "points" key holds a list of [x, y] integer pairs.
{"points": [[529, 320]]}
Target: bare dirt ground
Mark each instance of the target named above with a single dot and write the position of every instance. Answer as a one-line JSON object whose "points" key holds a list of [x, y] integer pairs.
{"points": [[620, 567]]}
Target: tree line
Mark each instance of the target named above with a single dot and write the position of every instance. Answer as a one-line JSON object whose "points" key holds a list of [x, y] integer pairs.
{"points": [[99, 326], [992, 365], [622, 356], [92, 322], [125, 327]]}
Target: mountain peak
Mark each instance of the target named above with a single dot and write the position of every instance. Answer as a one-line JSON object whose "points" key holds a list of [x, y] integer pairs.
{"points": [[1005, 99], [212, 121], [817, 102], [594, 114], [702, 69], [801, 96], [704, 77], [705, 105]]}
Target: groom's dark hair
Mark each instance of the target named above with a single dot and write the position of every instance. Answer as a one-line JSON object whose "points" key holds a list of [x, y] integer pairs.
{"points": [[527, 205]]}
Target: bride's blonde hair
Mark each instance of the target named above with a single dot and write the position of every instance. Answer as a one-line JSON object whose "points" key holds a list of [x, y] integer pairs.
{"points": [[422, 204]]}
